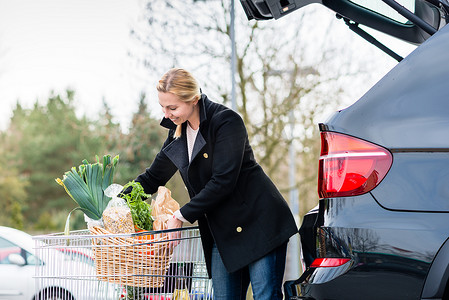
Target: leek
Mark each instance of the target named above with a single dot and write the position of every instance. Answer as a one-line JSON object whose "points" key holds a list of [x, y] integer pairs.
{"points": [[86, 185]]}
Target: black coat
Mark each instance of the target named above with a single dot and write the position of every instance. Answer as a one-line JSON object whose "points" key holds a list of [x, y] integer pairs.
{"points": [[233, 200]]}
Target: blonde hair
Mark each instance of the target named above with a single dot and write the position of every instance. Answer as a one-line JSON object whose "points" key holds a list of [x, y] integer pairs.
{"points": [[182, 84]]}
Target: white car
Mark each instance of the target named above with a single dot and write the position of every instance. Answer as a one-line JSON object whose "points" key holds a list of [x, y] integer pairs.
{"points": [[21, 267]]}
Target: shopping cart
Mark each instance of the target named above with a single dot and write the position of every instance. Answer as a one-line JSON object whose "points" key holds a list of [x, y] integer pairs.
{"points": [[153, 265]]}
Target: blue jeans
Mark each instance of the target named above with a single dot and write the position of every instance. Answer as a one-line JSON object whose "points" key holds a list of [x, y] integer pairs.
{"points": [[265, 275]]}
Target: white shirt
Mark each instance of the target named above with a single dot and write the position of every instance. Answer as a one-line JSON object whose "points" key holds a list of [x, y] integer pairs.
{"points": [[191, 137]]}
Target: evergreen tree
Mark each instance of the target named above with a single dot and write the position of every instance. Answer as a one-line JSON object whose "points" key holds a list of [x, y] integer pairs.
{"points": [[12, 189], [109, 132], [41, 144]]}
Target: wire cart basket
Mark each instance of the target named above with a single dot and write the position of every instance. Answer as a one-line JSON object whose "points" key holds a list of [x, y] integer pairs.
{"points": [[95, 264]]}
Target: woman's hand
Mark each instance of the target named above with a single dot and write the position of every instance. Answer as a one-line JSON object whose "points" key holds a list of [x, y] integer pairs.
{"points": [[173, 223], [174, 236]]}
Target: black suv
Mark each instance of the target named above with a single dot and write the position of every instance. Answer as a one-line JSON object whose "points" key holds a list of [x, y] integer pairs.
{"points": [[381, 230]]}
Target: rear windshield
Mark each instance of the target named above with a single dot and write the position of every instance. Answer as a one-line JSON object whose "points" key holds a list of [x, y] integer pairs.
{"points": [[382, 8]]}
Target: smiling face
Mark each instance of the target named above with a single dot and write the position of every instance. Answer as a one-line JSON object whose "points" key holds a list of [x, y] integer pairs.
{"points": [[179, 111]]}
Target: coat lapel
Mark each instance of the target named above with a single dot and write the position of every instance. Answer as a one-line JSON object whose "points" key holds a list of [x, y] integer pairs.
{"points": [[199, 144], [176, 151]]}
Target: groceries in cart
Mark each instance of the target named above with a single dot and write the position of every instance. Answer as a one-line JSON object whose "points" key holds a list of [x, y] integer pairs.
{"points": [[128, 238], [91, 187]]}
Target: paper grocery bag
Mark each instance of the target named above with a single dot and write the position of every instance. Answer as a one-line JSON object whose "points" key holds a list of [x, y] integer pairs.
{"points": [[163, 208]]}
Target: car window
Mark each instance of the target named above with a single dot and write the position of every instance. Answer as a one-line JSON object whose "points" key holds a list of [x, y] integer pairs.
{"points": [[384, 9], [7, 248], [31, 259]]}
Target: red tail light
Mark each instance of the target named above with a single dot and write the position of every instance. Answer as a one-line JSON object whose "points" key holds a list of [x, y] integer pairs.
{"points": [[328, 262], [349, 166]]}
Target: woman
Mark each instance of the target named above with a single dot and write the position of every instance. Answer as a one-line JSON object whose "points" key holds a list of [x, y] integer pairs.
{"points": [[245, 223]]}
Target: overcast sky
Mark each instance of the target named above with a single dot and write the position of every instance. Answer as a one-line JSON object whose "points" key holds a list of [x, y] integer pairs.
{"points": [[58, 44]]}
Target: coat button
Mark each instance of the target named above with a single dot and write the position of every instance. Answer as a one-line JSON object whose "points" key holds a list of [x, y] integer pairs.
{"points": [[239, 229], [205, 155]]}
